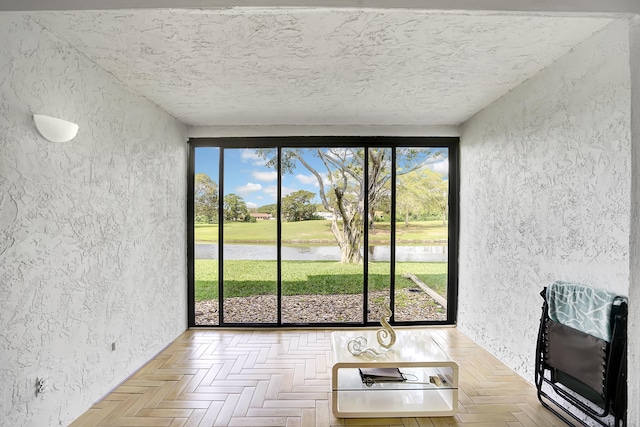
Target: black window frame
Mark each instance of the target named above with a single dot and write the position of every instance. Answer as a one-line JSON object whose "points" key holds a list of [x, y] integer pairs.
{"points": [[451, 143]]}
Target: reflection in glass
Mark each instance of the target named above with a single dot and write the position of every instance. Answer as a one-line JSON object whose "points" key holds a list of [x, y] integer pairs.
{"points": [[206, 190], [422, 189], [379, 229], [249, 284], [328, 210], [322, 203]]}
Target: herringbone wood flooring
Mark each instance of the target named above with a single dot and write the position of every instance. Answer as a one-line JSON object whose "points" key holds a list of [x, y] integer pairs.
{"points": [[282, 378]]}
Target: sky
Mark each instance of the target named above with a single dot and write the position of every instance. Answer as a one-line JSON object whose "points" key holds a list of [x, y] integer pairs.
{"points": [[247, 175]]}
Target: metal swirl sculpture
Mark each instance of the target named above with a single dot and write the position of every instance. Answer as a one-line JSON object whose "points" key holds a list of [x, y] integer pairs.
{"points": [[386, 336], [357, 347]]}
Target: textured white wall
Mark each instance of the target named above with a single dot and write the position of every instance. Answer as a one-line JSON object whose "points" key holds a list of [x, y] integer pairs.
{"points": [[311, 130], [634, 290], [545, 194], [92, 246], [318, 66], [571, 6]]}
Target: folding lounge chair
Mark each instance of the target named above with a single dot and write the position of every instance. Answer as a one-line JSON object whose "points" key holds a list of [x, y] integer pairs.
{"points": [[581, 354]]}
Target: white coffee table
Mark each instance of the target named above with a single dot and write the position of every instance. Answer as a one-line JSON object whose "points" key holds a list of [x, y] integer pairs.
{"points": [[417, 356]]}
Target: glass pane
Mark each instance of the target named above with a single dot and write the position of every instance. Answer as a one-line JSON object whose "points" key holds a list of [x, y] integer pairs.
{"points": [[322, 230], [422, 192], [250, 237], [379, 221], [207, 161]]}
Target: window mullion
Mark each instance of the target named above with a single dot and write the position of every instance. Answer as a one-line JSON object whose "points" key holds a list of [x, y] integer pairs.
{"points": [[392, 242]]}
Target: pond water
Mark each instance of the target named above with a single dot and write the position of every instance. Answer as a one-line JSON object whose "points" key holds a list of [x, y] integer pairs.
{"points": [[319, 252]]}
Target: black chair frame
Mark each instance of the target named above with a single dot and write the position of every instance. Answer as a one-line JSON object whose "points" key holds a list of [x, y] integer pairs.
{"points": [[612, 399]]}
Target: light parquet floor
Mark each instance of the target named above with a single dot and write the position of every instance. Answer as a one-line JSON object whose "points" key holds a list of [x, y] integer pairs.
{"points": [[282, 378]]}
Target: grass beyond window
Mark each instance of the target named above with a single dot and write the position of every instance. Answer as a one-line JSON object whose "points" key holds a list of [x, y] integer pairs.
{"points": [[246, 278], [318, 231]]}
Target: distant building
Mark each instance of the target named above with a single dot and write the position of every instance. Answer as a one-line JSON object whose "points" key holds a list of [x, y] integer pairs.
{"points": [[325, 215], [261, 215]]}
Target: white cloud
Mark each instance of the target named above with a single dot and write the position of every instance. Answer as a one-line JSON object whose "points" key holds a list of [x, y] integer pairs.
{"points": [[312, 180], [247, 155], [251, 205], [265, 176], [286, 191], [272, 191], [249, 187], [306, 179], [253, 157], [442, 167]]}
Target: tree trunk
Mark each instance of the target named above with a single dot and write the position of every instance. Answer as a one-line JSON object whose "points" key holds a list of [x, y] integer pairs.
{"points": [[445, 212], [372, 219], [348, 237]]}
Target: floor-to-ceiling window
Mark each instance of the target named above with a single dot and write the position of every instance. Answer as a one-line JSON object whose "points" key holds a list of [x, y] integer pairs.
{"points": [[322, 231]]}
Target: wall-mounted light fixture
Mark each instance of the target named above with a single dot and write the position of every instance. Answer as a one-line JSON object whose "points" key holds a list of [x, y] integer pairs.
{"points": [[55, 130]]}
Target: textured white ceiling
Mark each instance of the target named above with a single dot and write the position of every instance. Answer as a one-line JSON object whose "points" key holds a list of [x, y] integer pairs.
{"points": [[319, 66]]}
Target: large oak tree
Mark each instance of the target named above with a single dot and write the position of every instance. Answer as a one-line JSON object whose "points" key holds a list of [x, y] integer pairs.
{"points": [[342, 187], [205, 199]]}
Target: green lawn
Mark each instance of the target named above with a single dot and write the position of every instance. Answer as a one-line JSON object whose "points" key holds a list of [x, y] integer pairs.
{"points": [[246, 278], [318, 231]]}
